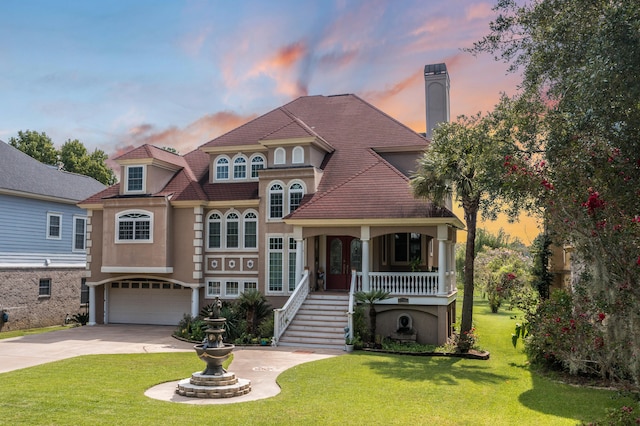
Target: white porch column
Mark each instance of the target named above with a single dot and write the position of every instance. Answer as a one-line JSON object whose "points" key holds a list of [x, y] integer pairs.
{"points": [[452, 257], [365, 236], [92, 305], [297, 235], [195, 301], [442, 259]]}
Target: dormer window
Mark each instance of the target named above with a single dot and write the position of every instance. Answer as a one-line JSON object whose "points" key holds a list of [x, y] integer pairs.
{"points": [[240, 168], [222, 169], [279, 156], [257, 164], [297, 156], [134, 179]]}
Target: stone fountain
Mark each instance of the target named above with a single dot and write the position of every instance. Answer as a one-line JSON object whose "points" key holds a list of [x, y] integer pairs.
{"points": [[214, 381]]}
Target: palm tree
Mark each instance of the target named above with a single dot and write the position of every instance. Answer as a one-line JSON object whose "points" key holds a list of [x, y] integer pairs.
{"points": [[370, 298], [462, 160], [255, 307]]}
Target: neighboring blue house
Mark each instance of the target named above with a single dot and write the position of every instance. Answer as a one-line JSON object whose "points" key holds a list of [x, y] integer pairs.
{"points": [[43, 238]]}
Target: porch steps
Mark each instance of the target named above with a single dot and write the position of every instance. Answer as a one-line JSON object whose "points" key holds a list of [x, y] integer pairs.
{"points": [[319, 323]]}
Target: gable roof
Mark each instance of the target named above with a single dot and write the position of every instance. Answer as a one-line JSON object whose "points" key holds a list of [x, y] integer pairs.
{"points": [[23, 174]]}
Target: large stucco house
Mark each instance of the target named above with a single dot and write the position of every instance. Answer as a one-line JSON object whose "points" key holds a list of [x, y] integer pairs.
{"points": [[42, 241], [306, 203]]}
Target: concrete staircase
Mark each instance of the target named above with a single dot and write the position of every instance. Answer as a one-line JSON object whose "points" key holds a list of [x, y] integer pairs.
{"points": [[319, 323]]}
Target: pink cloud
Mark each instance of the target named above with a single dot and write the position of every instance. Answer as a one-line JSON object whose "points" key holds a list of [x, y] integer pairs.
{"points": [[184, 139], [482, 11]]}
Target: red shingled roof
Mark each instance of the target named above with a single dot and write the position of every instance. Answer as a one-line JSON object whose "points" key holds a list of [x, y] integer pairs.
{"points": [[356, 183]]}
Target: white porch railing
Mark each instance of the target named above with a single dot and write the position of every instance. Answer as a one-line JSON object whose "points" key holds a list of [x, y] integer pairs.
{"points": [[283, 316], [352, 302], [408, 283]]}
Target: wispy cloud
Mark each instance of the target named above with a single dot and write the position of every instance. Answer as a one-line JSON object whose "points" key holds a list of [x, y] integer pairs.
{"points": [[184, 139]]}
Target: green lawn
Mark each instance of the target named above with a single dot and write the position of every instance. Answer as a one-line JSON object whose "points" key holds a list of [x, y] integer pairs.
{"points": [[360, 388], [19, 333]]}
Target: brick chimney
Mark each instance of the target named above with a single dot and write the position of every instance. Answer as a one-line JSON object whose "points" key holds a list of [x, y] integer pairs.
{"points": [[436, 87]]}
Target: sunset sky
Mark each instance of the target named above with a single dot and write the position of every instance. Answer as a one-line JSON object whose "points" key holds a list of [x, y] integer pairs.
{"points": [[117, 74]]}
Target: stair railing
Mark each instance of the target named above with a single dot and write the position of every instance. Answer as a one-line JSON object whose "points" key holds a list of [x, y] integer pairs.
{"points": [[350, 309], [282, 317]]}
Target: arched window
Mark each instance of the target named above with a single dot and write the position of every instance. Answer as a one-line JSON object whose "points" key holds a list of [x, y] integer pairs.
{"points": [[222, 169], [297, 156], [296, 191], [240, 168], [233, 230], [276, 201], [257, 164], [250, 230], [279, 156], [134, 226], [215, 231]]}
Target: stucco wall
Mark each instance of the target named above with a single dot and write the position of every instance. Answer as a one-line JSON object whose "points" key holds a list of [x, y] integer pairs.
{"points": [[19, 297]]}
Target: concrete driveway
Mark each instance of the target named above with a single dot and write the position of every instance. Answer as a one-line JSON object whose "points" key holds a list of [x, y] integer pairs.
{"points": [[261, 365]]}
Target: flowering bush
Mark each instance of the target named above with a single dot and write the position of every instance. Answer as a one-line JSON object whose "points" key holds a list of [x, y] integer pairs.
{"points": [[503, 276], [566, 334]]}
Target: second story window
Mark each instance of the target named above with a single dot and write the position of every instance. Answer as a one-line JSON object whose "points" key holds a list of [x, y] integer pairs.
{"points": [[240, 168], [222, 169], [79, 233], [134, 226], [135, 178], [250, 230], [257, 164], [295, 196], [54, 226], [276, 201], [215, 231], [233, 224]]}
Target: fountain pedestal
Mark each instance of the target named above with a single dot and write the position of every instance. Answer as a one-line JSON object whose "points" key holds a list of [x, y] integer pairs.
{"points": [[214, 381]]}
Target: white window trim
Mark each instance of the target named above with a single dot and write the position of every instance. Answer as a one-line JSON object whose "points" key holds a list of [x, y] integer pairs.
{"points": [[223, 287], [280, 152], [244, 230], [297, 155], [232, 173], [286, 251], [144, 179], [229, 169], [288, 193], [284, 201], [251, 164], [73, 240], [49, 216], [133, 241], [240, 230], [222, 225]]}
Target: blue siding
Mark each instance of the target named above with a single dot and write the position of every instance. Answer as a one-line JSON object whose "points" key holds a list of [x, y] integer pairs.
{"points": [[23, 225]]}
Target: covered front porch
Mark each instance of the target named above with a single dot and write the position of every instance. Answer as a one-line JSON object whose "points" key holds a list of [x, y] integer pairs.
{"points": [[414, 264]]}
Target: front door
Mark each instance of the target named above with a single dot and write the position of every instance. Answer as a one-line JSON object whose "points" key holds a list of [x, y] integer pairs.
{"points": [[343, 254]]}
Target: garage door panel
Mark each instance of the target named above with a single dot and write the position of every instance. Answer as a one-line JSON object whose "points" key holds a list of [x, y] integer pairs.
{"points": [[156, 306]]}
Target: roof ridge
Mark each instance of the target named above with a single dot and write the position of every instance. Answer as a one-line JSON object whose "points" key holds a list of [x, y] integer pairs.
{"points": [[376, 109], [388, 164]]}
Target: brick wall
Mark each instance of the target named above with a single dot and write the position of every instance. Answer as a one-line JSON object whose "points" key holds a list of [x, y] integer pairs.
{"points": [[19, 296]]}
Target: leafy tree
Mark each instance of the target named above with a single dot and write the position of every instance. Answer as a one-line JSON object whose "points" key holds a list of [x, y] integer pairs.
{"points": [[579, 62], [36, 145], [72, 157], [542, 278], [461, 160]]}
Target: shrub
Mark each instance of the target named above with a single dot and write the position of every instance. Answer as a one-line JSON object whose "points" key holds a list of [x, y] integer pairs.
{"points": [[191, 328]]}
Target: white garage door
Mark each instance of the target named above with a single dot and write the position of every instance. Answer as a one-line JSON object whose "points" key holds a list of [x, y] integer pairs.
{"points": [[155, 303]]}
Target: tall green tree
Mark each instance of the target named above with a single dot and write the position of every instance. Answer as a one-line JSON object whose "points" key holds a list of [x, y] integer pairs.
{"points": [[75, 159], [464, 161], [72, 157], [579, 62], [36, 145]]}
